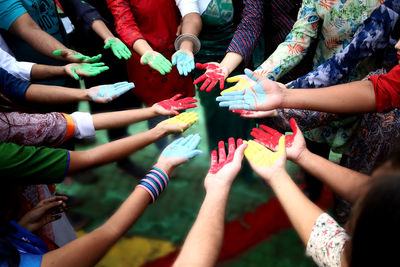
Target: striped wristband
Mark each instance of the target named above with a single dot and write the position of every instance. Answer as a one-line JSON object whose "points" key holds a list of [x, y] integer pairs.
{"points": [[155, 182]]}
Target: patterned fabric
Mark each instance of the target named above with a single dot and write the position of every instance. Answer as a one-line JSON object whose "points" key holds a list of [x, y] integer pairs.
{"points": [[371, 36], [339, 20], [326, 242], [33, 129], [249, 30]]}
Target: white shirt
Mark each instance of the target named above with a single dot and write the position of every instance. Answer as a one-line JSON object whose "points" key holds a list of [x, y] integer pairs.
{"points": [[19, 69]]}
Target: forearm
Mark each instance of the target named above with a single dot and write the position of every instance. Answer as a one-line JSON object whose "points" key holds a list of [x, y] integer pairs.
{"points": [[101, 239], [301, 211], [101, 29], [46, 94], [30, 32], [231, 61], [141, 46], [118, 119], [203, 244], [347, 183], [42, 72], [191, 24], [113, 151], [355, 97]]}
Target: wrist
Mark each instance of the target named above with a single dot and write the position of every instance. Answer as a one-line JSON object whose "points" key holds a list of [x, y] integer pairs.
{"points": [[277, 176], [187, 45], [165, 166], [302, 157], [159, 131], [155, 182]]}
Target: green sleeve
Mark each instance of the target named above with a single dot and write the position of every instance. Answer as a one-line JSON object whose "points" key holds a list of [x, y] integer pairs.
{"points": [[32, 165]]}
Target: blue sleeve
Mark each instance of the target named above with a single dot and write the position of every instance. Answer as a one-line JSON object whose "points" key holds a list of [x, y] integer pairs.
{"points": [[81, 13], [30, 260], [12, 87], [10, 10], [372, 35]]}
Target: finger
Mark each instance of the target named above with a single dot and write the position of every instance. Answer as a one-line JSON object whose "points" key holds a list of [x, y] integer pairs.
{"points": [[281, 146], [221, 83], [187, 100], [194, 142], [211, 86], [293, 126], [214, 159], [76, 76], [201, 66], [228, 98], [231, 148], [175, 97], [233, 79], [187, 140], [239, 152], [251, 75], [239, 142], [239, 111], [221, 151], [243, 105], [200, 79], [193, 153], [234, 93], [188, 106], [269, 130], [205, 84]]}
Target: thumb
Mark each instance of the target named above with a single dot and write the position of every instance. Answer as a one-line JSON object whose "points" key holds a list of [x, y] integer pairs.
{"points": [[251, 75], [239, 153], [293, 126]]}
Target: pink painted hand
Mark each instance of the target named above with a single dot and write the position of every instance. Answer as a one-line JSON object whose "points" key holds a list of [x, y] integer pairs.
{"points": [[214, 73], [253, 114], [216, 164], [270, 137], [170, 106]]}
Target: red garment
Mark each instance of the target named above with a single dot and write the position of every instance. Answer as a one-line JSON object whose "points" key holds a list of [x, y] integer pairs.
{"points": [[156, 21], [387, 90]]}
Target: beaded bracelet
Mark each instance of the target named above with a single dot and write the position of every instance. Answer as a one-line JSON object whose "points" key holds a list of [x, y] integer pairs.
{"points": [[155, 182], [188, 36]]}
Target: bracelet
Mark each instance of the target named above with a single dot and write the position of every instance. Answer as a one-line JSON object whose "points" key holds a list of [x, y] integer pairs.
{"points": [[154, 183], [188, 36]]}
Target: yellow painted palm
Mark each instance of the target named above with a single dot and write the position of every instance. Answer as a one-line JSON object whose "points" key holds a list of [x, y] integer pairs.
{"points": [[262, 156], [184, 118]]}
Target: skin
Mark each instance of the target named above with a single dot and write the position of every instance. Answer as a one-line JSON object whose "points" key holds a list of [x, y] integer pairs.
{"points": [[203, 243]]}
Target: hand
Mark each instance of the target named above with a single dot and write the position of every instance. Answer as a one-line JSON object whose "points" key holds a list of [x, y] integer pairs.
{"points": [[184, 61], [108, 92], [73, 56], [156, 61], [119, 49], [180, 123], [250, 114], [46, 211], [178, 152], [223, 171], [243, 82], [84, 69], [170, 106], [254, 98], [214, 73], [265, 162]]}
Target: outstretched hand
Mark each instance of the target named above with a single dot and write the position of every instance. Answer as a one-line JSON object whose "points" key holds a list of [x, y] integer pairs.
{"points": [[252, 114], [74, 56], [225, 169], [156, 61], [178, 152], [179, 123], [215, 73], [119, 49], [294, 143], [46, 211], [76, 70], [108, 92], [170, 106], [184, 61], [265, 162], [265, 95]]}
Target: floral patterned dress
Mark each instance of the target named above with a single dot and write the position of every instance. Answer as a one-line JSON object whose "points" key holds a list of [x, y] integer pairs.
{"points": [[326, 242]]}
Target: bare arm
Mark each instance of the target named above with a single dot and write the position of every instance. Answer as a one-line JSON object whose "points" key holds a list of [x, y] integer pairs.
{"points": [[110, 120], [27, 29], [231, 61], [191, 24], [46, 94], [354, 97], [43, 72], [101, 29]]}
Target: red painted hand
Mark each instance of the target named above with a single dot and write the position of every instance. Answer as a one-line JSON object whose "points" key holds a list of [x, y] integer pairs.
{"points": [[214, 73], [216, 164], [174, 103], [270, 137]]}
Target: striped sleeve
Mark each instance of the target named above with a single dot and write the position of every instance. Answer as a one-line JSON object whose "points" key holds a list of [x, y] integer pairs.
{"points": [[249, 29]]}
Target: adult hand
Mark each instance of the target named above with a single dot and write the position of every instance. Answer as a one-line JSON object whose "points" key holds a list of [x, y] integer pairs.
{"points": [[46, 211], [108, 92], [266, 163], [74, 56], [170, 106], [156, 61], [178, 152], [119, 49], [84, 69], [184, 61], [225, 169], [243, 82], [214, 73], [251, 114], [179, 123], [265, 95]]}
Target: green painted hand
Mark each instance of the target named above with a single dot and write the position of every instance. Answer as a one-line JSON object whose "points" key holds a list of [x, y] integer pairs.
{"points": [[156, 61], [74, 56], [118, 48], [85, 69]]}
